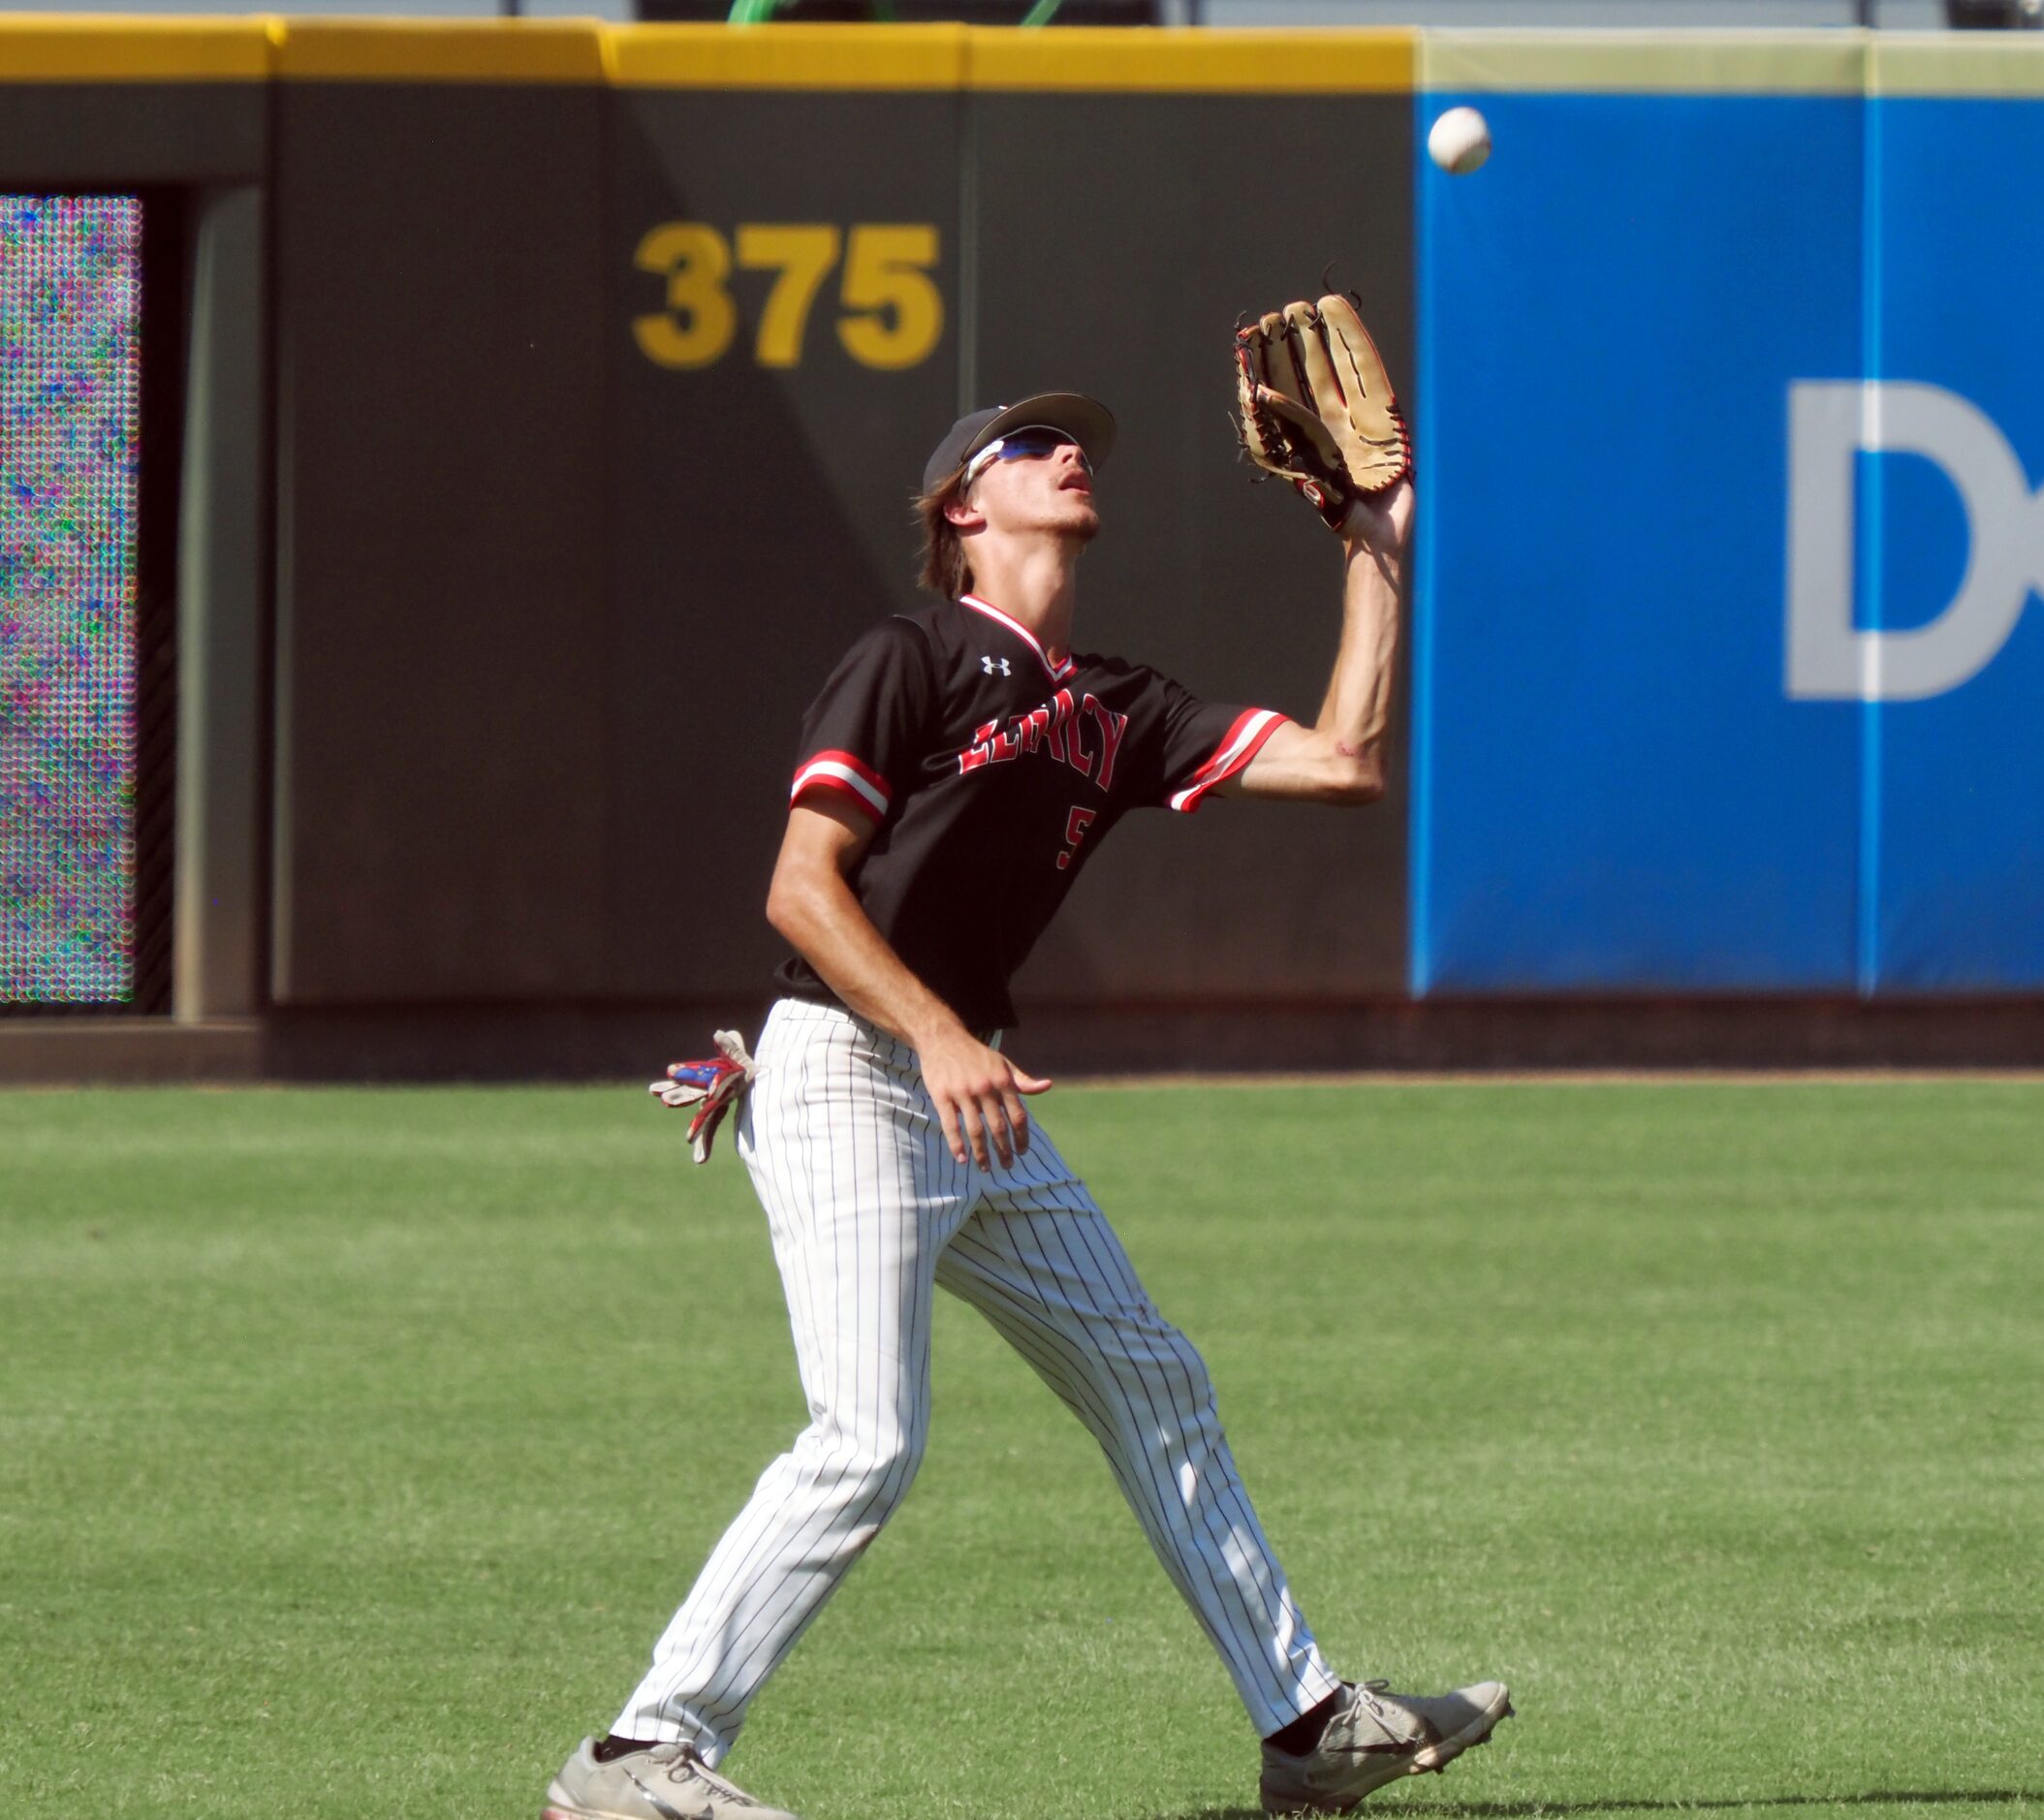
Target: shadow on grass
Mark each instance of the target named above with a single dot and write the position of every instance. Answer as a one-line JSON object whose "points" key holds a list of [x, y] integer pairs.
{"points": [[1529, 1809]]}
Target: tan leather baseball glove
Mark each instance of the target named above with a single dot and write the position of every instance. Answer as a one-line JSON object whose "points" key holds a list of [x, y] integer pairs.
{"points": [[1316, 406]]}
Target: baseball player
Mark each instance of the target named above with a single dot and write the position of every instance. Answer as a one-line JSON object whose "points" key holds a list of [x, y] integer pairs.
{"points": [[956, 773]]}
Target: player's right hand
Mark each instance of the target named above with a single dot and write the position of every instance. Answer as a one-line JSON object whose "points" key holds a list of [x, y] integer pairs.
{"points": [[978, 1093]]}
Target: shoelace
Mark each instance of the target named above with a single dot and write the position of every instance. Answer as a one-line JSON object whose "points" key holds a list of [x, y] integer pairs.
{"points": [[1425, 1730], [1368, 1692], [688, 1767]]}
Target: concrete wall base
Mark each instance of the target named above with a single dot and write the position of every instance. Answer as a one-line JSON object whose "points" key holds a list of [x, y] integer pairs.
{"points": [[66, 1051], [598, 1043]]}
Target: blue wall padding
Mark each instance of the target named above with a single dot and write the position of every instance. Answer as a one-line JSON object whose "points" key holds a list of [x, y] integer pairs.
{"points": [[1614, 789], [1959, 811]]}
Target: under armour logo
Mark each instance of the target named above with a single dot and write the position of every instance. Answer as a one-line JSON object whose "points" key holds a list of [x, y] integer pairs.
{"points": [[992, 663]]}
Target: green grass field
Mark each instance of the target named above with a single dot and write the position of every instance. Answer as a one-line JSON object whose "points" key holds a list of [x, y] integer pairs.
{"points": [[355, 1445]]}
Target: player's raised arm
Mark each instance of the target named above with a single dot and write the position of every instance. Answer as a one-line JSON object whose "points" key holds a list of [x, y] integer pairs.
{"points": [[1316, 409], [1340, 758]]}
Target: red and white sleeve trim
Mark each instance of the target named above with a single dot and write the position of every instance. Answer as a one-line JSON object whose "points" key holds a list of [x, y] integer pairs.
{"points": [[1244, 741], [849, 775]]}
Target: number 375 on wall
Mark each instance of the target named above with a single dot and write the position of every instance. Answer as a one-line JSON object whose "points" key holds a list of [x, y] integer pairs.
{"points": [[889, 314]]}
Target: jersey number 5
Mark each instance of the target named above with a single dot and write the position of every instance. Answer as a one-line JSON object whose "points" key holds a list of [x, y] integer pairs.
{"points": [[1075, 826]]}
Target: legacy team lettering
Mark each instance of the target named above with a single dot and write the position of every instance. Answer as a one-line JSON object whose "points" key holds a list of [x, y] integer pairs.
{"points": [[1059, 729]]}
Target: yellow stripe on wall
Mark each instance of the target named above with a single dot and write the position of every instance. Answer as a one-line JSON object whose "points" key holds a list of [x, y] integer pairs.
{"points": [[1634, 63], [880, 57], [1181, 60], [113, 47], [442, 51], [788, 56], [955, 57]]}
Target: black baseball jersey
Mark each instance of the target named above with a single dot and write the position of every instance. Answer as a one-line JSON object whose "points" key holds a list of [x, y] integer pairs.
{"points": [[991, 773]]}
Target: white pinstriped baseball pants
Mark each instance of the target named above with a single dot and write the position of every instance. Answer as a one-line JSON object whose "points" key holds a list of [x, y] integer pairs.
{"points": [[869, 1213]]}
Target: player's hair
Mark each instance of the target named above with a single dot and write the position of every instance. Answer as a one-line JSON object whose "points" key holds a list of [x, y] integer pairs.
{"points": [[944, 569]]}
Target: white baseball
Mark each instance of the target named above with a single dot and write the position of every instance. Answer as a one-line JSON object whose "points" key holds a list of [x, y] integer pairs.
{"points": [[1460, 142]]}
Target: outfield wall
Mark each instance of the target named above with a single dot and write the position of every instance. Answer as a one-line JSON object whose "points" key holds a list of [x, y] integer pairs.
{"points": [[602, 363], [554, 393], [1742, 696]]}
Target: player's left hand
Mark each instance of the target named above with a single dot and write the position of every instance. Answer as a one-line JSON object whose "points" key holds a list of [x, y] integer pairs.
{"points": [[1314, 405]]}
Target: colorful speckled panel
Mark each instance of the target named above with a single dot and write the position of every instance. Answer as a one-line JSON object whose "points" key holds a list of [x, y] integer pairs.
{"points": [[70, 371]]}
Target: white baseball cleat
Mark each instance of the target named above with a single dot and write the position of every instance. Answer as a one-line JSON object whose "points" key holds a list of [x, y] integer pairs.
{"points": [[1375, 1739], [668, 1782]]}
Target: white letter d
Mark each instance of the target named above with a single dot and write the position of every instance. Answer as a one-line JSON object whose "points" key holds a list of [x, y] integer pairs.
{"points": [[1827, 422]]}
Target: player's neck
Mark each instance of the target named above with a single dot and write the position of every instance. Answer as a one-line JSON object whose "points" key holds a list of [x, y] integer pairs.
{"points": [[1034, 582]]}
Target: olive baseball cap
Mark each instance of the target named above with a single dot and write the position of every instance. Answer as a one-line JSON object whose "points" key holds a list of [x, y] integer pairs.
{"points": [[1085, 421]]}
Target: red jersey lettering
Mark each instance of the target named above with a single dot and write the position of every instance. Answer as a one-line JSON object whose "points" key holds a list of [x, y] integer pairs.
{"points": [[1060, 714], [1111, 727], [1081, 760]]}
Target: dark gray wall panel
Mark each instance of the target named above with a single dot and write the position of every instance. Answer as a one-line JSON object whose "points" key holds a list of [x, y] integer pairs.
{"points": [[53, 134], [551, 608], [442, 743], [761, 513], [1119, 237]]}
